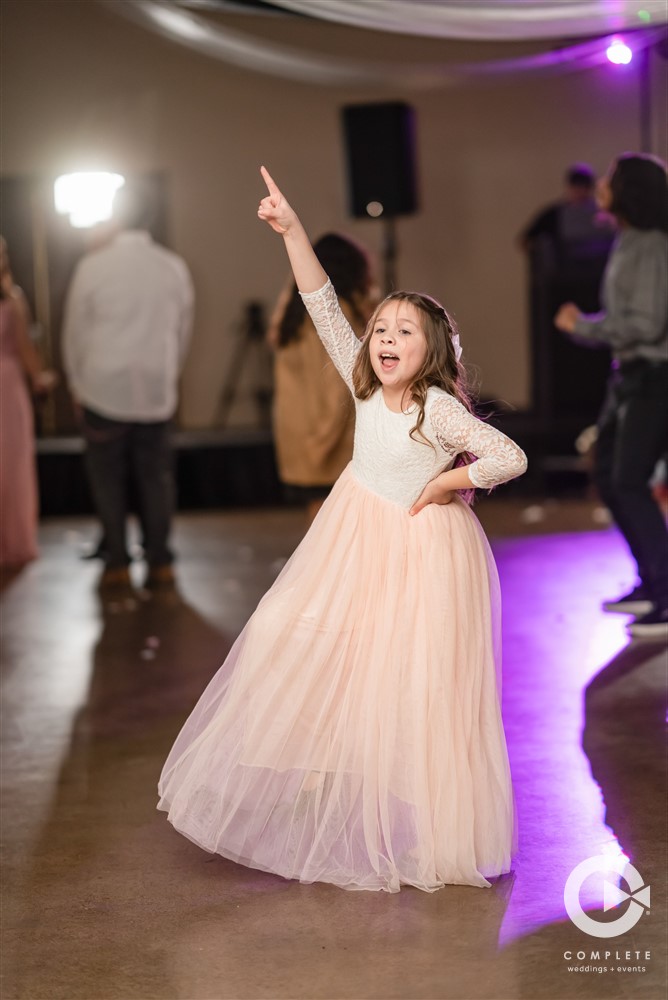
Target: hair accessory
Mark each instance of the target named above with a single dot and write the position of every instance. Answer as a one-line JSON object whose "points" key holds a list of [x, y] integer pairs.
{"points": [[454, 337]]}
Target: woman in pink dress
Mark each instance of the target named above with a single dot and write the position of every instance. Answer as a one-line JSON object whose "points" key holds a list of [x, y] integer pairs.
{"points": [[19, 366]]}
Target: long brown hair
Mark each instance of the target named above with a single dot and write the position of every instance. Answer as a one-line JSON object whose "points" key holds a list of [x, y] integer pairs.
{"points": [[348, 267], [640, 191], [440, 368]]}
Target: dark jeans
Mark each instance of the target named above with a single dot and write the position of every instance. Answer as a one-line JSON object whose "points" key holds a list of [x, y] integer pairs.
{"points": [[633, 436], [114, 450]]}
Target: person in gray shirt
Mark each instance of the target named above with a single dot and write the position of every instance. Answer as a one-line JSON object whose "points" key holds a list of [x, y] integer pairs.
{"points": [[633, 424]]}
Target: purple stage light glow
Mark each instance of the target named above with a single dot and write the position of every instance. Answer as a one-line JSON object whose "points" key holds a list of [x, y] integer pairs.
{"points": [[619, 53]]}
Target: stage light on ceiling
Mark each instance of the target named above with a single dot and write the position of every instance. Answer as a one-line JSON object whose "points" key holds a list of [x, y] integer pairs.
{"points": [[87, 198], [618, 52]]}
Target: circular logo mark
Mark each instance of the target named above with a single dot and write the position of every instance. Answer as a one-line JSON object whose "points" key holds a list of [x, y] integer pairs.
{"points": [[612, 896]]}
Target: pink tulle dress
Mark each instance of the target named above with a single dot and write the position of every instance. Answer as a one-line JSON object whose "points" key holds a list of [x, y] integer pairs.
{"points": [[18, 477], [354, 733]]}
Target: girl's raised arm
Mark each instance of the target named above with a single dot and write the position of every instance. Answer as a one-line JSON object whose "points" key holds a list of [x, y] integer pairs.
{"points": [[332, 326], [275, 210]]}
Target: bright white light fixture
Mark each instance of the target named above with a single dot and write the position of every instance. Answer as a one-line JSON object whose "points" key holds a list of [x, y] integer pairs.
{"points": [[619, 53], [87, 198]]}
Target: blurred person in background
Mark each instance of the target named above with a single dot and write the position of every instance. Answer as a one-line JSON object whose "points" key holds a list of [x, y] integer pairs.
{"points": [[572, 228], [314, 414], [633, 424], [127, 328], [21, 373]]}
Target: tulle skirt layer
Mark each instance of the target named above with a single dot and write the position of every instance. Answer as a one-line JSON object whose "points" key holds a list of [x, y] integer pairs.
{"points": [[354, 734]]}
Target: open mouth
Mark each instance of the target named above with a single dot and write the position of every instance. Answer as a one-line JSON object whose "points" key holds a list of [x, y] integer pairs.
{"points": [[388, 361]]}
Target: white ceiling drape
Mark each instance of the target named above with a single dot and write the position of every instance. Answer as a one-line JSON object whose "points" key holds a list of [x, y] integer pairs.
{"points": [[487, 19], [261, 55]]}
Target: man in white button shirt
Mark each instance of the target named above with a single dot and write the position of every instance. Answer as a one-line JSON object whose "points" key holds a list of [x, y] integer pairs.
{"points": [[128, 322]]}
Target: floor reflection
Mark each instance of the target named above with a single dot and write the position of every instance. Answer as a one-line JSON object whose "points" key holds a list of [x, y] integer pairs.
{"points": [[103, 899], [556, 639], [153, 656], [624, 739]]}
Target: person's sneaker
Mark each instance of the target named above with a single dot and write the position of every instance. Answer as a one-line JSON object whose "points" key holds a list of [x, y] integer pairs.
{"points": [[160, 576], [636, 602], [653, 625]]}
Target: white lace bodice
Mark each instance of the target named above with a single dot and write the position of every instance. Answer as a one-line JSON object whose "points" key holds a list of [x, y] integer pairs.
{"points": [[386, 459]]}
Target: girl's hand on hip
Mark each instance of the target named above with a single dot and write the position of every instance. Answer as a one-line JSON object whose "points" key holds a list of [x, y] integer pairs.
{"points": [[434, 492], [274, 209]]}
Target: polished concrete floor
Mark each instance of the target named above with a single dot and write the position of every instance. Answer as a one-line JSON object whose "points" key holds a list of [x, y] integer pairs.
{"points": [[102, 899]]}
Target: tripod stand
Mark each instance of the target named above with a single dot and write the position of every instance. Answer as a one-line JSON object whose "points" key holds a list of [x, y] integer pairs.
{"points": [[250, 345]]}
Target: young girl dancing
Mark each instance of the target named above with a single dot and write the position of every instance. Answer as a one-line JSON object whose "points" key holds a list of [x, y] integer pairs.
{"points": [[354, 734]]}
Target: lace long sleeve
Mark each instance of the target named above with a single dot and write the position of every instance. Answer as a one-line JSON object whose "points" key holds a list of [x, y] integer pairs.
{"points": [[498, 458], [333, 329]]}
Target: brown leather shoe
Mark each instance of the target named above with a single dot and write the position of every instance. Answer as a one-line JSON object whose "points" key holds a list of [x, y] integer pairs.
{"points": [[118, 576], [160, 576]]}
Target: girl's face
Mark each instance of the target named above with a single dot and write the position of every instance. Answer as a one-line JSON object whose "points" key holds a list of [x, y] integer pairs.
{"points": [[397, 345]]}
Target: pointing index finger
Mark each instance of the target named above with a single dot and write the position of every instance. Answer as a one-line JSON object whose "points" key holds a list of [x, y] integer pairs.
{"points": [[269, 181]]}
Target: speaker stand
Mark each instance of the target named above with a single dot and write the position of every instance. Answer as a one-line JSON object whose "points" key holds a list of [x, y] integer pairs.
{"points": [[389, 254]]}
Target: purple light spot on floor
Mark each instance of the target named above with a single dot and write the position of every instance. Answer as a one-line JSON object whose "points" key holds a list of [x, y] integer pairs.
{"points": [[556, 639]]}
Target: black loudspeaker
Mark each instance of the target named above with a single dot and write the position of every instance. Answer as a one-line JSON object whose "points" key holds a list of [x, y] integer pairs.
{"points": [[380, 146]]}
